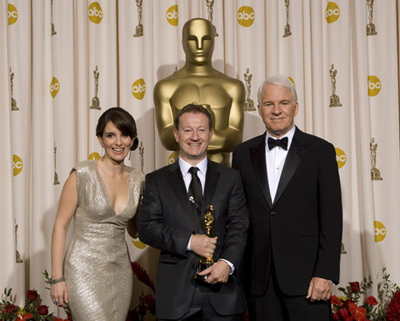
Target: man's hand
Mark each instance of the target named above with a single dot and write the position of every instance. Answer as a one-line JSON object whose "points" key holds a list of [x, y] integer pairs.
{"points": [[319, 289], [203, 245], [217, 273]]}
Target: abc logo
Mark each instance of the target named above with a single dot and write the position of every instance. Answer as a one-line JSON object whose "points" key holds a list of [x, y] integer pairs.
{"points": [[379, 231], [137, 243], [374, 86], [95, 12], [54, 87], [172, 15], [94, 156], [17, 165], [139, 89], [340, 157], [245, 16], [171, 158], [332, 12], [12, 14]]}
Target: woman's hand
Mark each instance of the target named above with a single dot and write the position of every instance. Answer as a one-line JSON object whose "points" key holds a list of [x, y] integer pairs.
{"points": [[59, 294]]}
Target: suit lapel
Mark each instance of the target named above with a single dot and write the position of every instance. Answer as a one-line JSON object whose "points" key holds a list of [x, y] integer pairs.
{"points": [[258, 162], [178, 186], [293, 160]]}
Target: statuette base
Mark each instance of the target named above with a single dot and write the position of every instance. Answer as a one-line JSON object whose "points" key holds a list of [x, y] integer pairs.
{"points": [[95, 103], [335, 101]]}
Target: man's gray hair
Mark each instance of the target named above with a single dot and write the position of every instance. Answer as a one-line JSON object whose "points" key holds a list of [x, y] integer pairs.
{"points": [[279, 80]]}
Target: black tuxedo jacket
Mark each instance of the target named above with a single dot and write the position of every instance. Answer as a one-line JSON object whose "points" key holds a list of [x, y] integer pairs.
{"points": [[301, 231], [166, 222]]}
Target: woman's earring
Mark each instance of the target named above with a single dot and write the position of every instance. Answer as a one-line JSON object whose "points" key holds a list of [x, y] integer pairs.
{"points": [[130, 152], [102, 151]]}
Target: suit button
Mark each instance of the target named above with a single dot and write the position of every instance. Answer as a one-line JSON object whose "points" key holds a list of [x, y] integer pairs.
{"points": [[273, 213]]}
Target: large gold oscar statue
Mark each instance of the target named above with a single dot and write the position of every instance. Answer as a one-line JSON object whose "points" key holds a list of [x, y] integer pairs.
{"points": [[198, 82]]}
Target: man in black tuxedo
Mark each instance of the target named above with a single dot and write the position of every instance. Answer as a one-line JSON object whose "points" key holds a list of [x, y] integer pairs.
{"points": [[293, 196], [170, 219]]}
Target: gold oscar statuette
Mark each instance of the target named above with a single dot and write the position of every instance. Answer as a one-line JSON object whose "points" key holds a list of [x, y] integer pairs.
{"points": [[14, 106], [208, 224], [200, 83], [53, 29], [287, 31], [17, 254], [56, 181], [375, 173], [334, 100], [371, 31], [248, 102], [95, 99], [139, 27], [141, 152], [210, 12]]}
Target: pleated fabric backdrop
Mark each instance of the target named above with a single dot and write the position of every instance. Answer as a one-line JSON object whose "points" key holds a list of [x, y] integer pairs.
{"points": [[63, 62]]}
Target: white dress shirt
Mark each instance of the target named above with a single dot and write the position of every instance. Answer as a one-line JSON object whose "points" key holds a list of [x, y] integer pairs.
{"points": [[275, 159], [201, 173]]}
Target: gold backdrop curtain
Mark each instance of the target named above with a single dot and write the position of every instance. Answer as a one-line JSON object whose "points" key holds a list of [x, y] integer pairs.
{"points": [[64, 62]]}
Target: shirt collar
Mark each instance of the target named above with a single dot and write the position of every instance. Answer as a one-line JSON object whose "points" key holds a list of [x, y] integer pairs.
{"points": [[185, 166]]}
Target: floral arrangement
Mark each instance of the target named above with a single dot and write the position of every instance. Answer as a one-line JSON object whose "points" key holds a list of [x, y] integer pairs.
{"points": [[32, 310], [357, 305]]}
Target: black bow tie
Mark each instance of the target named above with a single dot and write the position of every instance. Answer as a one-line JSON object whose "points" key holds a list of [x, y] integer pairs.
{"points": [[277, 142]]}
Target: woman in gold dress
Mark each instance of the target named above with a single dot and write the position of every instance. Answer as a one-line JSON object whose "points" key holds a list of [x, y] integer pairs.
{"points": [[95, 276]]}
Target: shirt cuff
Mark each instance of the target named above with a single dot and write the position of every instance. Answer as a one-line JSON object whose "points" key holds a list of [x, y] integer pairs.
{"points": [[230, 265]]}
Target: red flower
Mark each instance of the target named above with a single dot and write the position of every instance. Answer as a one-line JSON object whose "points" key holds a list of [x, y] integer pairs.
{"points": [[355, 287], [27, 316], [10, 308], [43, 309], [335, 317], [347, 303], [393, 309], [32, 295], [70, 317], [343, 313], [371, 300], [335, 300], [358, 313], [58, 319]]}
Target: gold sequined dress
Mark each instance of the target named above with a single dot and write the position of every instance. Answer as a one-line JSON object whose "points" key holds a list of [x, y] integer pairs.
{"points": [[97, 266]]}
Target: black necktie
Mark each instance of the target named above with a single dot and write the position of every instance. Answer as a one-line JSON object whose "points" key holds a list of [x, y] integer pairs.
{"points": [[195, 191], [277, 142]]}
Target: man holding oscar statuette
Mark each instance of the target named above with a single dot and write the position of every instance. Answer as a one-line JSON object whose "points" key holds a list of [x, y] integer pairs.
{"points": [[194, 211]]}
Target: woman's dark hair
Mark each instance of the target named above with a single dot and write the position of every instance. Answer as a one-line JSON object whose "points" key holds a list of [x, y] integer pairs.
{"points": [[122, 120]]}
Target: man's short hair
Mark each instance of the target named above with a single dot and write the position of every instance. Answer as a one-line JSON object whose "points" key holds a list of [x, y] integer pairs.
{"points": [[279, 80], [195, 109]]}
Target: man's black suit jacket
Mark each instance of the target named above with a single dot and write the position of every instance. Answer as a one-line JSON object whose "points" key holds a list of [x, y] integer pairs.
{"points": [[166, 222], [301, 231]]}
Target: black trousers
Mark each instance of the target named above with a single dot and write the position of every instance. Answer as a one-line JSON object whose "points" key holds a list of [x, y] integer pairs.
{"points": [[202, 310], [274, 305]]}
